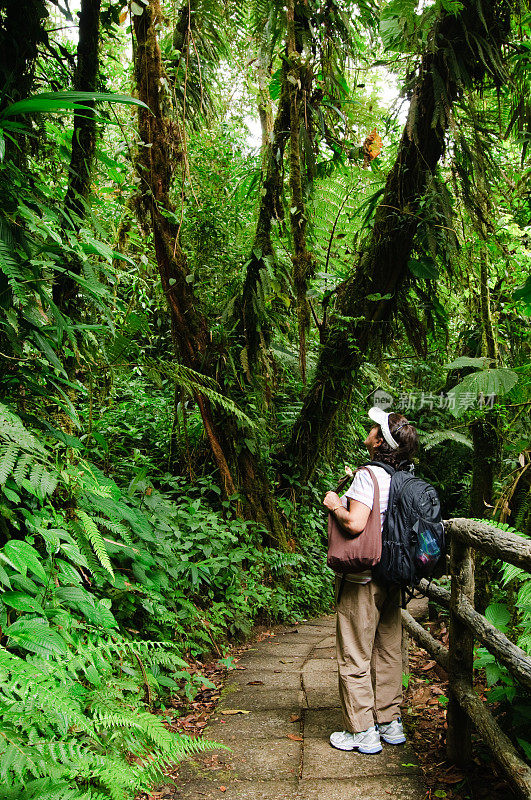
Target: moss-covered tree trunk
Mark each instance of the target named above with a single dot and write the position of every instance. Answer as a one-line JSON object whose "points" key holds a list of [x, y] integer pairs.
{"points": [[159, 151], [485, 429], [485, 464], [263, 77], [84, 135], [382, 267]]}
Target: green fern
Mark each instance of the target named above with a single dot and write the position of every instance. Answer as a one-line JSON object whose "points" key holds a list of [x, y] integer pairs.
{"points": [[91, 532], [434, 438], [8, 458]]}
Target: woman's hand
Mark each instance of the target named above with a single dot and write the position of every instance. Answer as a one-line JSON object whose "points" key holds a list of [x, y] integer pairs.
{"points": [[331, 500]]}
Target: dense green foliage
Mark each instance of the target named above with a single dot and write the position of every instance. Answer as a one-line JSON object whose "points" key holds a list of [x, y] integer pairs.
{"points": [[124, 556]]}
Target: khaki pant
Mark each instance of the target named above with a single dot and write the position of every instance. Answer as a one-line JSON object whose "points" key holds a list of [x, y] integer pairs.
{"points": [[369, 654]]}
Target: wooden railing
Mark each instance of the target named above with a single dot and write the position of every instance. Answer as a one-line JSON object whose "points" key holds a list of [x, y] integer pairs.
{"points": [[465, 707]]}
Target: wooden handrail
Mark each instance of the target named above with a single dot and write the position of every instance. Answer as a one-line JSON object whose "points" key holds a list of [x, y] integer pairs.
{"points": [[494, 542], [437, 650], [509, 654], [466, 624], [501, 746]]}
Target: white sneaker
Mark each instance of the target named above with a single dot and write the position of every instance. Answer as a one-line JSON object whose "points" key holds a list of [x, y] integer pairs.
{"points": [[364, 742], [392, 732]]}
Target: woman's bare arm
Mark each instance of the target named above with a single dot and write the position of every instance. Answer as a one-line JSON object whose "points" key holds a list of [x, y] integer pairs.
{"points": [[352, 520]]}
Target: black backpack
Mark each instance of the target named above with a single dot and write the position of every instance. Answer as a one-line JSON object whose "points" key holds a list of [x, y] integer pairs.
{"points": [[413, 539]]}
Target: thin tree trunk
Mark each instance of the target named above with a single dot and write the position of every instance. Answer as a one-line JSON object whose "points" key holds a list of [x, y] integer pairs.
{"points": [[484, 430], [300, 83], [383, 264], [252, 314], [84, 135], [83, 138], [265, 109]]}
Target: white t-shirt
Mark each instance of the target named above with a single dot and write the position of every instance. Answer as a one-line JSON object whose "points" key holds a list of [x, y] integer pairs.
{"points": [[362, 489]]}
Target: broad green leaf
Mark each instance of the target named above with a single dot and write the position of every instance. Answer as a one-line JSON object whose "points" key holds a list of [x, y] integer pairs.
{"points": [[498, 614], [22, 602], [61, 101], [493, 673], [4, 577], [25, 558], [11, 495], [423, 268], [68, 574], [93, 247], [466, 361], [35, 635], [486, 382]]}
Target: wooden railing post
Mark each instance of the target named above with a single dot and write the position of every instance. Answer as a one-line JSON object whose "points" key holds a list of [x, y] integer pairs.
{"points": [[461, 653]]}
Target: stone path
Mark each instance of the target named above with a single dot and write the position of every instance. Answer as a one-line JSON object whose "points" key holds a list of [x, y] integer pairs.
{"points": [[280, 749]]}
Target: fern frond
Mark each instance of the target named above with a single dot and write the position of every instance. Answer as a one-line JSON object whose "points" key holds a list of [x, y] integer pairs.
{"points": [[434, 438], [8, 458], [96, 540]]}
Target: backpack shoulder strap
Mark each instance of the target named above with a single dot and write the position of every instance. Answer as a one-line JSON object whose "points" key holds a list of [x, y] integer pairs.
{"points": [[387, 467]]}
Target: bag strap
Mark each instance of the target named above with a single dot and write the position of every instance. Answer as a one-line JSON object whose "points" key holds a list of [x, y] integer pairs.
{"points": [[376, 499], [387, 467]]}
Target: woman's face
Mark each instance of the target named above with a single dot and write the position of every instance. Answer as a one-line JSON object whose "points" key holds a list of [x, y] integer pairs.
{"points": [[373, 440]]}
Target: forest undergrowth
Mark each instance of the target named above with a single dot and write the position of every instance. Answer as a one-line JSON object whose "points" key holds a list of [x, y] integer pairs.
{"points": [[194, 322]]}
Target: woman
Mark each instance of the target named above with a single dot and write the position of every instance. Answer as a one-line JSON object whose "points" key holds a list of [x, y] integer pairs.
{"points": [[369, 628]]}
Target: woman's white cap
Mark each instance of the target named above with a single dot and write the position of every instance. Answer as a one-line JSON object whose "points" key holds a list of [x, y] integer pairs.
{"points": [[382, 419]]}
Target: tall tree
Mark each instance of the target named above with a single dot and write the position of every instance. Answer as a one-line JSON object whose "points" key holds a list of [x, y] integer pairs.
{"points": [[83, 137], [84, 134], [308, 30], [300, 77], [160, 150], [453, 62], [21, 32]]}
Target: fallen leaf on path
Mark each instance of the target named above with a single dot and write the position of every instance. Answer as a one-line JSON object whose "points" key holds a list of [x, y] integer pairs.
{"points": [[295, 718], [255, 683], [421, 696], [222, 788], [294, 737], [234, 711], [455, 778]]}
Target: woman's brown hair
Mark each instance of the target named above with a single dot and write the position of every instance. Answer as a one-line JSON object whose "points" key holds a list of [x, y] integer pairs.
{"points": [[408, 443]]}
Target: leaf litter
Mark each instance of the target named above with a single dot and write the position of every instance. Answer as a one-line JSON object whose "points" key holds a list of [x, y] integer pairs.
{"points": [[424, 712]]}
